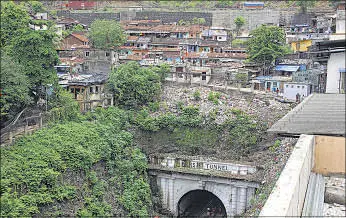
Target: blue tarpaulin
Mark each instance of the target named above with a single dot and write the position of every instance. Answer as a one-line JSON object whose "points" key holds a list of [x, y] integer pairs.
{"points": [[247, 4], [342, 70], [288, 68]]}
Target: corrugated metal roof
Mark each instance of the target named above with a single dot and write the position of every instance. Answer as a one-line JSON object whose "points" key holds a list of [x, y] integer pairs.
{"points": [[318, 114], [287, 68]]}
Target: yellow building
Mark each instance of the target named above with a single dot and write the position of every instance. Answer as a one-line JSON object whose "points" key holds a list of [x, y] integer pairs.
{"points": [[301, 45]]}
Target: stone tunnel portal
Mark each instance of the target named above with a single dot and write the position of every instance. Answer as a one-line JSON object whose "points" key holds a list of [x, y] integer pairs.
{"points": [[200, 203]]}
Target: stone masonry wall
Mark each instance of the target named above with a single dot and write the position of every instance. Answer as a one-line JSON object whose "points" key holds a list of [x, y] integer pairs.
{"points": [[88, 18], [170, 17]]}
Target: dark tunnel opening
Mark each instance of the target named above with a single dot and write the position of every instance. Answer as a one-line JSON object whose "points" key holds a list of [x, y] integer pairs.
{"points": [[200, 203]]}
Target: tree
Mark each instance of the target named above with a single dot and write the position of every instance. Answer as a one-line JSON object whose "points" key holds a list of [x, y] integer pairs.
{"points": [[106, 34], [238, 43], [305, 4], [266, 44], [35, 6], [14, 88], [162, 70], [14, 19], [35, 51], [239, 22], [133, 85], [201, 21]]}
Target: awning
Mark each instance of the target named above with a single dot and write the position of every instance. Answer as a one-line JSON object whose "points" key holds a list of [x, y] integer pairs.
{"points": [[286, 68]]}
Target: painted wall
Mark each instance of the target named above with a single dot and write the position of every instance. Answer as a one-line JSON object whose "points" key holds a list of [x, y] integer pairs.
{"points": [[291, 90], [335, 61], [329, 155], [301, 45]]}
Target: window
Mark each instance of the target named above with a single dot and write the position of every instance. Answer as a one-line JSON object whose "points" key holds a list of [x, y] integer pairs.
{"points": [[87, 54], [298, 87], [96, 89], [85, 43], [292, 86], [107, 54], [303, 87], [275, 84], [286, 86], [220, 37], [86, 67], [91, 89], [72, 90]]}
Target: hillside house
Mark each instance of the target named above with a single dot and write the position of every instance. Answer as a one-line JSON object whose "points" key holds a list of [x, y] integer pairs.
{"points": [[89, 91]]}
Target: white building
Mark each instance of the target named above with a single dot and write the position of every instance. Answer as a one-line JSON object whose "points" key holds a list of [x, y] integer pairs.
{"points": [[336, 73], [291, 90]]}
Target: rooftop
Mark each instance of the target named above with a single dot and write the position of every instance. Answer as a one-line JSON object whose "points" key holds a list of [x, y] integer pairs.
{"points": [[318, 114]]}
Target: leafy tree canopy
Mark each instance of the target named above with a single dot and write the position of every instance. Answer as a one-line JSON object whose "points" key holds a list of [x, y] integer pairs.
{"points": [[14, 87], [133, 85], [14, 19], [305, 4], [35, 6], [36, 52], [266, 44], [106, 34], [239, 22]]}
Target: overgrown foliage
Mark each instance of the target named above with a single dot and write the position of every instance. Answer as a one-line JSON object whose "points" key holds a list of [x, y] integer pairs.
{"points": [[134, 86], [14, 88], [304, 5], [33, 170], [14, 19], [267, 44], [35, 51], [239, 23], [106, 34], [30, 50]]}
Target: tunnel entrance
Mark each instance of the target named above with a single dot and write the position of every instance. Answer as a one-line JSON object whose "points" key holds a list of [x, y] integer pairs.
{"points": [[200, 203]]}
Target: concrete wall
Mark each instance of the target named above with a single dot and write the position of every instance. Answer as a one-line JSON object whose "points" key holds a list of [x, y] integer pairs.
{"points": [[234, 194], [287, 197], [254, 18], [335, 61], [329, 155], [291, 90], [170, 17], [340, 22]]}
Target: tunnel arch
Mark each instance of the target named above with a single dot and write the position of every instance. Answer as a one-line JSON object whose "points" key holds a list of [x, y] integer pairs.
{"points": [[194, 203]]}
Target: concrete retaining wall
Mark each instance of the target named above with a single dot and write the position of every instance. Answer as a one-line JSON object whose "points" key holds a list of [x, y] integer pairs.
{"points": [[287, 197]]}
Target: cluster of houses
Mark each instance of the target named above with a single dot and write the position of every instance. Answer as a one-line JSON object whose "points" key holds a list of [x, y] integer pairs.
{"points": [[204, 55]]}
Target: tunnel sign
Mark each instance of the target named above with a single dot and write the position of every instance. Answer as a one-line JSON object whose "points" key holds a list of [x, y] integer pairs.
{"points": [[233, 168]]}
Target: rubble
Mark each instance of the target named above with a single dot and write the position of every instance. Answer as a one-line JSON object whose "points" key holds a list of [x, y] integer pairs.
{"points": [[263, 106]]}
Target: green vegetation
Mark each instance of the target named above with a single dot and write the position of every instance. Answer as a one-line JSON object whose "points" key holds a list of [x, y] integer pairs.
{"points": [[214, 97], [25, 51], [239, 23], [14, 87], [14, 19], [267, 44], [35, 6], [241, 78], [28, 49], [238, 43], [304, 5], [197, 95], [34, 171], [106, 34], [224, 3], [134, 86]]}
